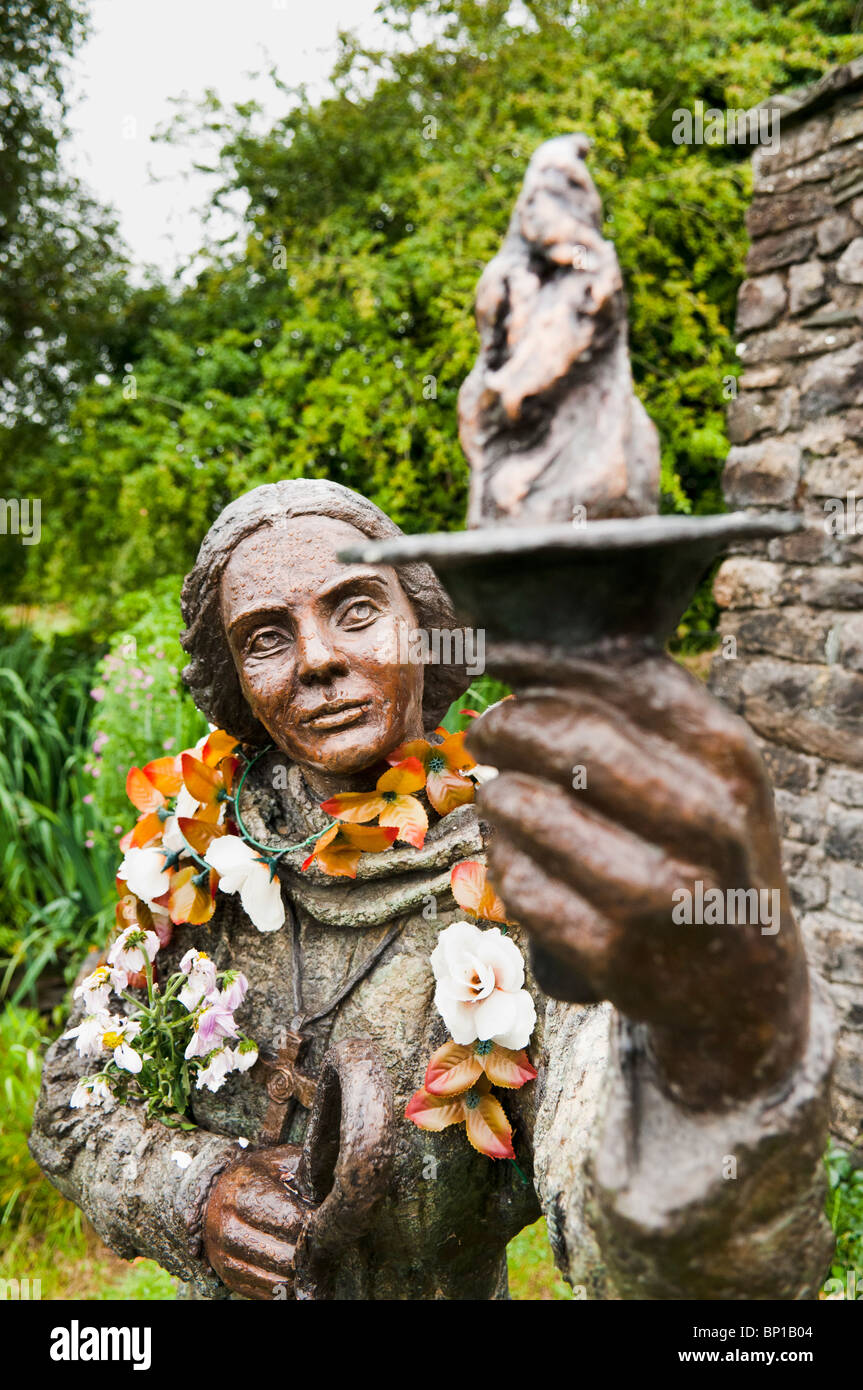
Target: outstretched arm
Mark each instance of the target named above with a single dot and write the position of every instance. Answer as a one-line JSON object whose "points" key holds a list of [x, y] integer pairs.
{"points": [[635, 839]]}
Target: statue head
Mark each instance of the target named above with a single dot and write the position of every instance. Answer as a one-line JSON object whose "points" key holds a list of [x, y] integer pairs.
{"points": [[290, 646]]}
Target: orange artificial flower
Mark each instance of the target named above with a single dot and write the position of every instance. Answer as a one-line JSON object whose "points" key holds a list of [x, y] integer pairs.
{"points": [[391, 802], [484, 1118], [444, 764], [473, 892], [338, 850], [455, 1068], [193, 895], [210, 785], [150, 789]]}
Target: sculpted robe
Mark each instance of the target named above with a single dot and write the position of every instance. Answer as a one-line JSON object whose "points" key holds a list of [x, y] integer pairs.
{"points": [[643, 1198]]}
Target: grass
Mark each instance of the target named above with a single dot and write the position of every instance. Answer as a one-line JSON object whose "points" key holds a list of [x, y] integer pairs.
{"points": [[56, 870]]}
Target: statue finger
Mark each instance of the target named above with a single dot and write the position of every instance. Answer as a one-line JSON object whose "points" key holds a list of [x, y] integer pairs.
{"points": [[251, 1281], [655, 693], [634, 778], [616, 871], [257, 1245], [578, 938]]}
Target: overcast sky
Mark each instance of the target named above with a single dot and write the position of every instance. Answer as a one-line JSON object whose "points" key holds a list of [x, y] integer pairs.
{"points": [[143, 53]]}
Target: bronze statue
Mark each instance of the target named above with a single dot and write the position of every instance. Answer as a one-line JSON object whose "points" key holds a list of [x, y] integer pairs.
{"points": [[674, 1134]]}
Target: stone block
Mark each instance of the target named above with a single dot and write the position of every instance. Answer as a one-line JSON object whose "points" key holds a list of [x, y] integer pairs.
{"points": [[849, 267], [760, 301], [771, 252], [777, 211], [742, 582], [833, 380], [844, 786], [835, 232], [762, 473], [805, 285]]}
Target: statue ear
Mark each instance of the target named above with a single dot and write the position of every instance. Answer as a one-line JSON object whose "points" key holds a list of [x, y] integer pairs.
{"points": [[560, 981]]}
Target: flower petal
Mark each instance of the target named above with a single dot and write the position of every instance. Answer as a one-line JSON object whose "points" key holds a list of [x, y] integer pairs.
{"points": [[446, 790], [409, 818], [453, 1069], [407, 776], [488, 1129], [433, 1112], [522, 1023], [354, 806], [507, 1068]]}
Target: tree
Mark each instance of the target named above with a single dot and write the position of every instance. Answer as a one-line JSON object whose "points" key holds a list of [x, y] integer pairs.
{"points": [[333, 341]]}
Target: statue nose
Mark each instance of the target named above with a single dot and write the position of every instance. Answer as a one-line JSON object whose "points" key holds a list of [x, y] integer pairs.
{"points": [[317, 655]]}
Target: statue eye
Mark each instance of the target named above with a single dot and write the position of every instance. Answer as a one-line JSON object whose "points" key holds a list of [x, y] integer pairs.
{"points": [[265, 643], [359, 613]]}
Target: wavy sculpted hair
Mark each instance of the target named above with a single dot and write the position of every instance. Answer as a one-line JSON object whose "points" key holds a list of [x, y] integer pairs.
{"points": [[211, 675]]}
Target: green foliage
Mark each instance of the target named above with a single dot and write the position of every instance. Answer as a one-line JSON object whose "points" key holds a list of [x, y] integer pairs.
{"points": [[27, 1202], [42, 1236], [845, 1210], [56, 871], [142, 710], [64, 299], [333, 341]]}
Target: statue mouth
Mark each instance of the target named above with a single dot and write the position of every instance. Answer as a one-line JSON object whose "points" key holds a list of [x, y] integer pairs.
{"points": [[336, 714]]}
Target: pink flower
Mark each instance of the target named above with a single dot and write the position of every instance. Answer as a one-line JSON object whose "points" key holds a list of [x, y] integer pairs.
{"points": [[98, 694], [212, 1026], [88, 799]]}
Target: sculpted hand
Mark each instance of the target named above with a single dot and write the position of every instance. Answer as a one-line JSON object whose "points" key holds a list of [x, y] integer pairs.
{"points": [[617, 796], [253, 1223]]}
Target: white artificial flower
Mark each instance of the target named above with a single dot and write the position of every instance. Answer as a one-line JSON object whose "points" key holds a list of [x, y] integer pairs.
{"points": [[132, 949], [88, 1034], [145, 873], [212, 1026], [93, 1090], [182, 1160], [479, 992], [245, 1056], [243, 1143], [219, 1064], [241, 870], [233, 991], [202, 978], [482, 772], [95, 990], [118, 1037]]}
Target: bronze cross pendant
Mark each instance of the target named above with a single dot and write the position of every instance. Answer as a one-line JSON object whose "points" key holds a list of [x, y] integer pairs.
{"points": [[285, 1083]]}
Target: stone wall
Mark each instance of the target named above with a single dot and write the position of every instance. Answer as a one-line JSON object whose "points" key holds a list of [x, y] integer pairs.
{"points": [[795, 605]]}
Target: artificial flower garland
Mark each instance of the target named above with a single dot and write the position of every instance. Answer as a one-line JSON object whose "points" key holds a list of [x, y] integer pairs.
{"points": [[190, 841]]}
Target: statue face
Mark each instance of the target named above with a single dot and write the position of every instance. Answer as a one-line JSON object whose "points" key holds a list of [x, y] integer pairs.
{"points": [[316, 645]]}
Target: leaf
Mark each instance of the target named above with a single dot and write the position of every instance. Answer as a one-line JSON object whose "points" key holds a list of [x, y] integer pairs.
{"points": [[406, 776], [433, 1113], [409, 818], [472, 891], [506, 1068], [452, 1069], [488, 1129], [446, 790]]}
